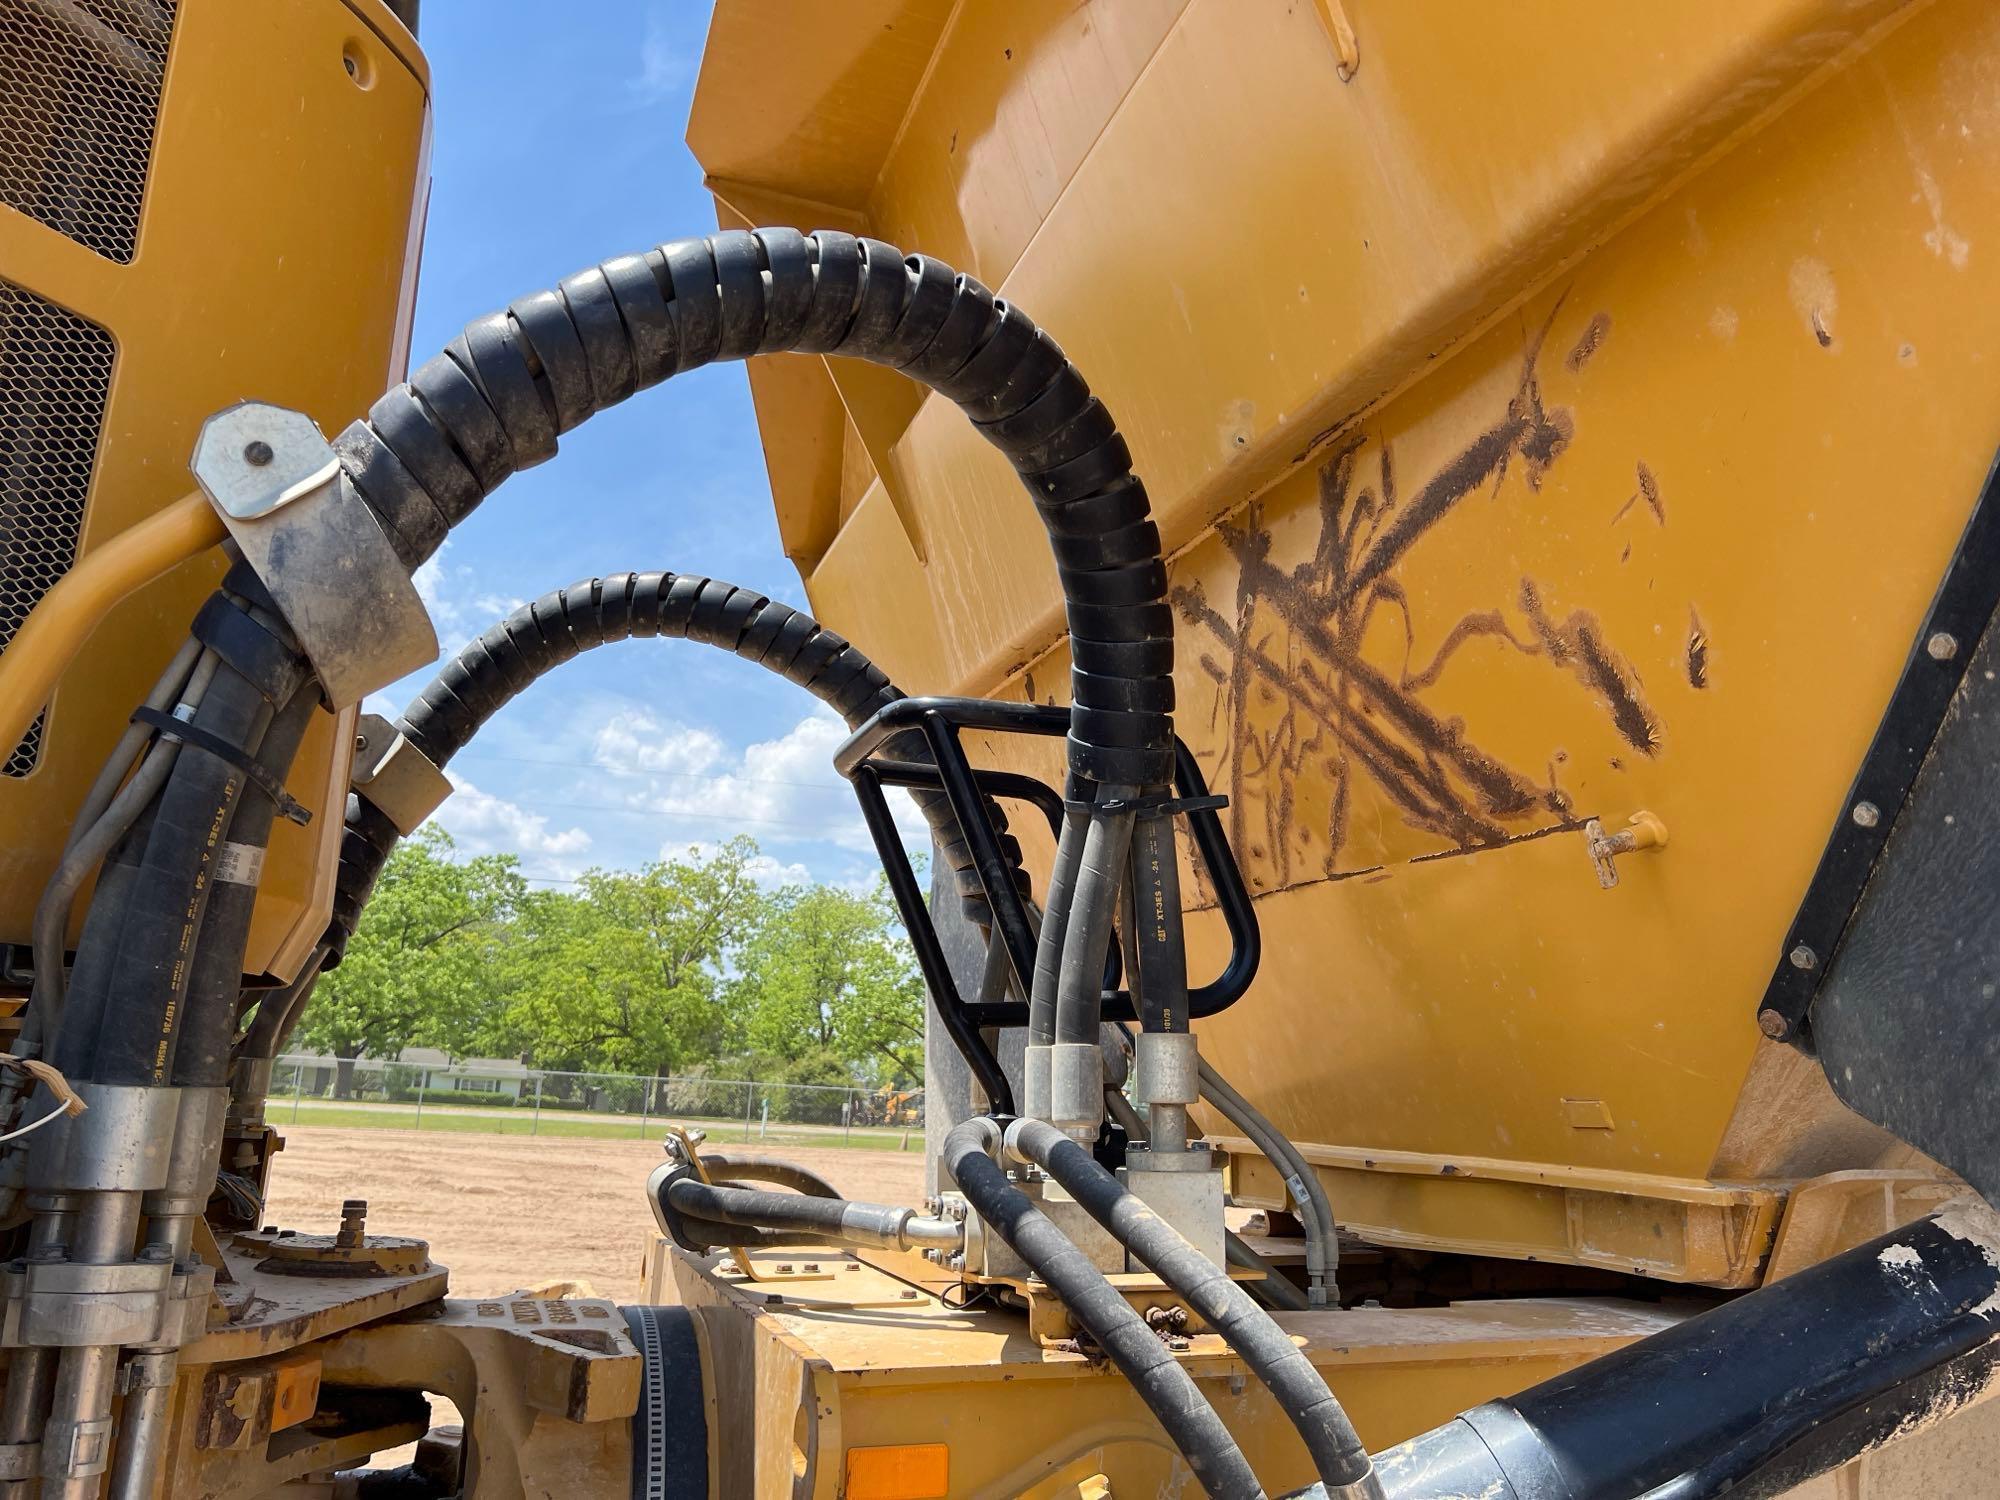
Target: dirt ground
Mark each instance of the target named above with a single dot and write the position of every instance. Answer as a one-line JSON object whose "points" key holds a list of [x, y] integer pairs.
{"points": [[506, 1212]]}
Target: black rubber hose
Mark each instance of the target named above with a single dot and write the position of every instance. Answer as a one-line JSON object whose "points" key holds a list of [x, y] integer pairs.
{"points": [[1301, 1393], [537, 638], [1055, 922], [768, 1169], [502, 392], [129, 988], [1093, 903], [840, 1220], [208, 1024], [1795, 1377], [1101, 1311]]}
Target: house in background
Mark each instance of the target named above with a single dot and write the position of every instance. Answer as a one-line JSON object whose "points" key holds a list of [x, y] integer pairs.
{"points": [[491, 1077], [432, 1069]]}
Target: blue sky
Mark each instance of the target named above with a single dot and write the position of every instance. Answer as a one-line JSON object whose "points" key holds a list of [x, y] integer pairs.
{"points": [[557, 146]]}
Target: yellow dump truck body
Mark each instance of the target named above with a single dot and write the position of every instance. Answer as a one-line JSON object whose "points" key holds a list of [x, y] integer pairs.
{"points": [[1552, 416]]}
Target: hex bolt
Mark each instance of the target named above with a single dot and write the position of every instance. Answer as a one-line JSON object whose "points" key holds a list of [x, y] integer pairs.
{"points": [[1803, 957], [257, 453], [1942, 645], [353, 1224], [1867, 814], [153, 1255], [1772, 1024]]}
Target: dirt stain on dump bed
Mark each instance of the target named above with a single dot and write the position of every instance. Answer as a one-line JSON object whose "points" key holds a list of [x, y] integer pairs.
{"points": [[1291, 639]]}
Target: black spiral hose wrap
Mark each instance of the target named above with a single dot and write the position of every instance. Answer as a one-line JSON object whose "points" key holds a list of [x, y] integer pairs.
{"points": [[507, 387], [536, 638]]}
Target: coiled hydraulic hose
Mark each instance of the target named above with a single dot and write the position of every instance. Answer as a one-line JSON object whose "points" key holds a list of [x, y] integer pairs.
{"points": [[503, 391], [539, 637], [1101, 1311], [1337, 1450], [496, 401]]}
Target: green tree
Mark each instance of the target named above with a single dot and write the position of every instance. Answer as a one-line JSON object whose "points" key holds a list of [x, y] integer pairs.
{"points": [[626, 974], [828, 971], [418, 967]]}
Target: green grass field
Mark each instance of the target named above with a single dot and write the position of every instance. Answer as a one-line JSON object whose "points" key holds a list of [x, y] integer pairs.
{"points": [[474, 1120]]}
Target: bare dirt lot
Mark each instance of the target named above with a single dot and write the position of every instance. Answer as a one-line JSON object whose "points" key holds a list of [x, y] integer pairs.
{"points": [[505, 1212]]}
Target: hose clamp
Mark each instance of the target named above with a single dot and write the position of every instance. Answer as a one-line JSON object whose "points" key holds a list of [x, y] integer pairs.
{"points": [[395, 776], [315, 546]]}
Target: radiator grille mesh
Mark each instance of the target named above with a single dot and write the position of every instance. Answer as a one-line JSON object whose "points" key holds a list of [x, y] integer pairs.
{"points": [[79, 93], [55, 371]]}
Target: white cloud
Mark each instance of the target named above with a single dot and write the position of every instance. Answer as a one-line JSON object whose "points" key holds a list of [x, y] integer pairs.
{"points": [[633, 740], [485, 824], [663, 67], [779, 791]]}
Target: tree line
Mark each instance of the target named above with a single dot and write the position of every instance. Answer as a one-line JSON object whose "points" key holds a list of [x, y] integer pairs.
{"points": [[687, 967]]}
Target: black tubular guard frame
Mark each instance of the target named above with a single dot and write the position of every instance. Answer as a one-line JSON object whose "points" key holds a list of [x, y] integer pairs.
{"points": [[941, 721]]}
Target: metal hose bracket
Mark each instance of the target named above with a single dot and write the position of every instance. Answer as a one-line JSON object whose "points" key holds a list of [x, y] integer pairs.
{"points": [[319, 551]]}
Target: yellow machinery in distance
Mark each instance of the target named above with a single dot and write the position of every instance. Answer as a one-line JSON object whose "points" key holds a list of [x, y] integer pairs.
{"points": [[1557, 433]]}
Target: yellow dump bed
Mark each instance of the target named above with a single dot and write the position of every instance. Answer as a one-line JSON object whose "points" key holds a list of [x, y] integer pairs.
{"points": [[1554, 414]]}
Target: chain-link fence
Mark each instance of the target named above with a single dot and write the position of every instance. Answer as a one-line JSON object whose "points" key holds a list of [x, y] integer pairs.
{"points": [[498, 1099]]}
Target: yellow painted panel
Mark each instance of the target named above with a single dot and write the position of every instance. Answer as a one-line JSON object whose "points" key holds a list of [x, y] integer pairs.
{"points": [[1015, 97], [1587, 435], [276, 257]]}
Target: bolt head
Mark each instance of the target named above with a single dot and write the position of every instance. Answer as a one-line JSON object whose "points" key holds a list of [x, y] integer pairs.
{"points": [[1772, 1024], [1866, 814], [1803, 957], [257, 453], [1942, 645]]}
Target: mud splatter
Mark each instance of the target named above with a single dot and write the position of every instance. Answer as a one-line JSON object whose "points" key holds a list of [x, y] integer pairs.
{"points": [[1697, 652], [1588, 343], [1578, 643], [1815, 298], [1296, 699], [1649, 491]]}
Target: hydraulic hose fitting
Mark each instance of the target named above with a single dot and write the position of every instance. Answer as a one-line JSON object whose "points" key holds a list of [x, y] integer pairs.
{"points": [[1076, 1089], [1168, 1069], [1037, 1101]]}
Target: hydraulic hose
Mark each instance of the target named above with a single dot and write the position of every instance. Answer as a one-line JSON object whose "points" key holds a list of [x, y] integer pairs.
{"points": [[176, 677], [1752, 1398], [768, 1169], [1337, 1451], [1093, 903], [1308, 1192], [1218, 1465], [130, 982], [108, 812], [537, 638], [1274, 1288], [201, 1057], [1055, 922], [496, 401], [278, 1011], [831, 1219], [502, 393]]}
